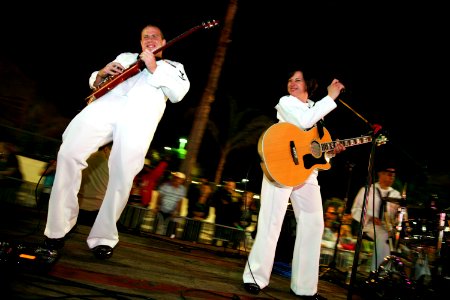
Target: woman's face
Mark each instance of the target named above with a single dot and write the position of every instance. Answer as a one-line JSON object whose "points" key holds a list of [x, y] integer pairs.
{"points": [[296, 85]]}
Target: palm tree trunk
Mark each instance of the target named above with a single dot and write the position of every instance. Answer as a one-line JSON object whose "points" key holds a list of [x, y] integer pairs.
{"points": [[221, 164], [202, 113]]}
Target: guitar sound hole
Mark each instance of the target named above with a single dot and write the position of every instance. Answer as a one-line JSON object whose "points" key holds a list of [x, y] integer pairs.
{"points": [[315, 149]]}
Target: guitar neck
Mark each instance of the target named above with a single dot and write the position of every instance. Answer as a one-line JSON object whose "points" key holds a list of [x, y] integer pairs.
{"points": [[347, 143], [139, 64], [112, 81], [181, 36]]}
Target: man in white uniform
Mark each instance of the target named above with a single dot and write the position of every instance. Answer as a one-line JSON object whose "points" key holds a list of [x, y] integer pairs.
{"points": [[128, 116], [380, 213]]}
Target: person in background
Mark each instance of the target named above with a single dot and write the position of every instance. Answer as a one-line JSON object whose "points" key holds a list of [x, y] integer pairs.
{"points": [[94, 183], [49, 176], [333, 213], [330, 230], [128, 116], [150, 179], [10, 174], [199, 198], [347, 240], [168, 204], [248, 210], [227, 204], [295, 108], [380, 213], [193, 193]]}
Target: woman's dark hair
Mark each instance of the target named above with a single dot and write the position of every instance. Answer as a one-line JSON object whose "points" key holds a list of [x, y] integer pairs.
{"points": [[311, 83]]}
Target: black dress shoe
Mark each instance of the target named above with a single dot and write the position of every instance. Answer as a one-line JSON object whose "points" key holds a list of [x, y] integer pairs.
{"points": [[252, 288], [102, 251], [316, 296], [54, 244]]}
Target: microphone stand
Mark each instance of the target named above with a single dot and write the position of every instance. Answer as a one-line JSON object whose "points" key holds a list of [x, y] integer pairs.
{"points": [[369, 183], [376, 128], [332, 273]]}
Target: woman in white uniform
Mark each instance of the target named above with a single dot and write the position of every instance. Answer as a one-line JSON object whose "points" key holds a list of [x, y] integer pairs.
{"points": [[297, 109]]}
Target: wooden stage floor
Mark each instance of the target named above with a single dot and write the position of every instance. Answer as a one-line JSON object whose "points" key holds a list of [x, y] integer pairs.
{"points": [[142, 267]]}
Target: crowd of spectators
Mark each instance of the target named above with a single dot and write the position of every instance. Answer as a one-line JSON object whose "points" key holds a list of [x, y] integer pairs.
{"points": [[232, 212]]}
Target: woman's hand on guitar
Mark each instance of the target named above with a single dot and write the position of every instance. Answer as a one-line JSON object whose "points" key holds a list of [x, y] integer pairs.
{"points": [[338, 147]]}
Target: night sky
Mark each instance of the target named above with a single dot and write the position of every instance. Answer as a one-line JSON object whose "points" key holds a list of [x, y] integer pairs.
{"points": [[392, 58]]}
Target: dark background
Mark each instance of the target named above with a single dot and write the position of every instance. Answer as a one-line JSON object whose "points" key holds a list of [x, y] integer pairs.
{"points": [[393, 59]]}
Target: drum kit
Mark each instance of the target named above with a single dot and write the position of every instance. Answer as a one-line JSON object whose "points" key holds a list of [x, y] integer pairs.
{"points": [[419, 260], [421, 242]]}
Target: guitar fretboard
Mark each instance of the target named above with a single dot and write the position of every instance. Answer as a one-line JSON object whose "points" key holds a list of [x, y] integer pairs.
{"points": [[347, 143]]}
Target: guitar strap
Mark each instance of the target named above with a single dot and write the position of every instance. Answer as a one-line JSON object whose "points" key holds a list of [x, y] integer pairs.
{"points": [[320, 125]]}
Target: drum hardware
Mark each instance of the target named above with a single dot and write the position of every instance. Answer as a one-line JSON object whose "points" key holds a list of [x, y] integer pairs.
{"points": [[441, 228], [424, 238], [422, 230], [398, 201], [402, 213], [441, 254], [390, 281]]}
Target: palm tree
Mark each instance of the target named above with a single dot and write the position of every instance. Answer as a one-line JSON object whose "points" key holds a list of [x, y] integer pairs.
{"points": [[201, 119], [243, 130]]}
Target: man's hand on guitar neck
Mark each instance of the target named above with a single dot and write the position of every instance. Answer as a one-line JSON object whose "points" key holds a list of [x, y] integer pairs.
{"points": [[149, 59]]}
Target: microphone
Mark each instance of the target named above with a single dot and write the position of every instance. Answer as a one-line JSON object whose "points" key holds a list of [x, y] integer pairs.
{"points": [[376, 128]]}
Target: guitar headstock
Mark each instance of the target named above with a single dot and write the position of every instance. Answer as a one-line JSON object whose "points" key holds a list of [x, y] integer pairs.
{"points": [[210, 24], [381, 140]]}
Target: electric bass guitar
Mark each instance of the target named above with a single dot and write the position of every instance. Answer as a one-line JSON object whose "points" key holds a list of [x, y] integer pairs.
{"points": [[289, 154], [111, 82]]}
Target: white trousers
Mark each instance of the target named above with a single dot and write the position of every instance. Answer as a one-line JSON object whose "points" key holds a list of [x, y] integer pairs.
{"points": [[130, 123], [382, 248], [307, 205]]}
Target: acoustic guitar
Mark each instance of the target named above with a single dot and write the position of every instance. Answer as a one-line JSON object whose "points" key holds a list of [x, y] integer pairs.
{"points": [[111, 82], [290, 154]]}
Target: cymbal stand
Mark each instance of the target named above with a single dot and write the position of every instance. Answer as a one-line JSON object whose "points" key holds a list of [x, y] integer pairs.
{"points": [[399, 228], [332, 273], [439, 254]]}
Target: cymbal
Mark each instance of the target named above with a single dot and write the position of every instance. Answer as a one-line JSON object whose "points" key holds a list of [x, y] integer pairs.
{"points": [[394, 200]]}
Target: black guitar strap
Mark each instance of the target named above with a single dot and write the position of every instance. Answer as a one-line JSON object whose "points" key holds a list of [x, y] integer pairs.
{"points": [[320, 125]]}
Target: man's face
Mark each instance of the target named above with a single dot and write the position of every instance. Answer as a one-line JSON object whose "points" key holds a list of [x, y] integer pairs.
{"points": [[152, 38], [387, 177]]}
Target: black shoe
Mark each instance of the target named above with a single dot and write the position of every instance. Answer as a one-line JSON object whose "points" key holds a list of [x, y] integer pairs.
{"points": [[102, 251], [316, 296], [252, 288], [54, 244]]}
